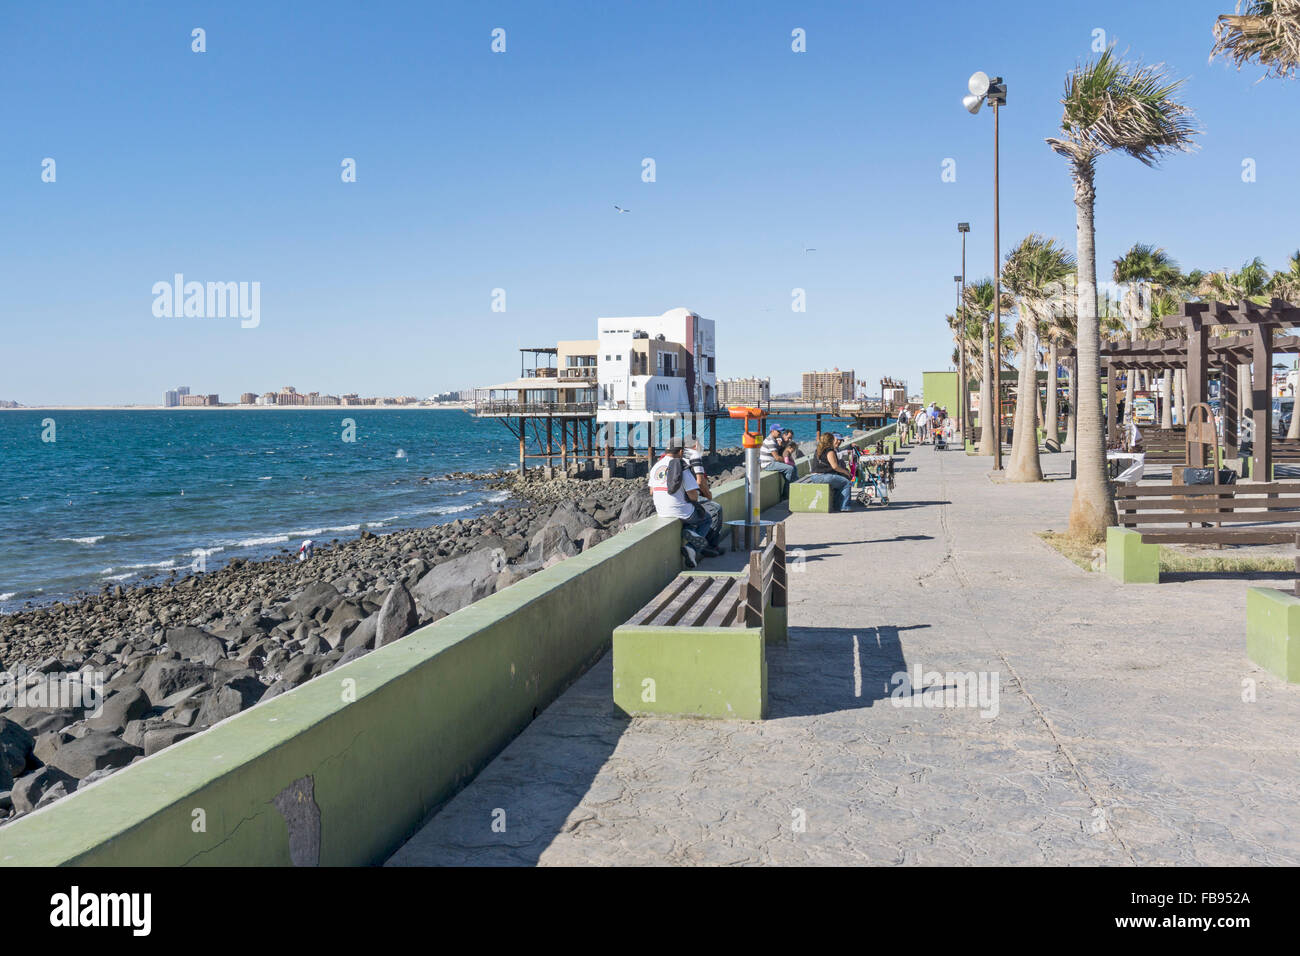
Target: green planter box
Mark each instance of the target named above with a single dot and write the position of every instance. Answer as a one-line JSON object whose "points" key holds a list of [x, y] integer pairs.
{"points": [[811, 497], [1128, 560], [718, 672], [1273, 632]]}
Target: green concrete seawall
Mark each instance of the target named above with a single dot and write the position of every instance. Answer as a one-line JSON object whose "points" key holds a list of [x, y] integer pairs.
{"points": [[341, 770]]}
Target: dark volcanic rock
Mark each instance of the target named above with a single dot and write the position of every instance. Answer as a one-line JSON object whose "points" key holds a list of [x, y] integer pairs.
{"points": [[159, 738], [195, 644], [302, 669], [313, 598], [120, 709], [638, 506], [553, 539], [28, 791], [364, 635], [16, 746], [229, 699], [397, 617], [453, 584], [95, 751], [164, 678]]}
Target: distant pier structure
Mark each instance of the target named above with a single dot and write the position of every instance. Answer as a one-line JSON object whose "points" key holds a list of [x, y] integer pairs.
{"points": [[610, 402]]}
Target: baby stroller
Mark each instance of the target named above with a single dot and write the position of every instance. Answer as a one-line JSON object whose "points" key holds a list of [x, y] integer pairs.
{"points": [[872, 479], [940, 439]]}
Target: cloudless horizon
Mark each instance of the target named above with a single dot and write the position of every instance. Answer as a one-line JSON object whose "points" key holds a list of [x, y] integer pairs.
{"points": [[478, 171]]}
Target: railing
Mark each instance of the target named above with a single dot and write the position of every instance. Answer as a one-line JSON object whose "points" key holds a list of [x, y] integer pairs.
{"points": [[534, 408], [583, 373]]}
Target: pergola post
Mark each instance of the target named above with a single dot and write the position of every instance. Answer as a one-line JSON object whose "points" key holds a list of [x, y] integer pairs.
{"points": [[1111, 436], [1261, 405], [1197, 344]]}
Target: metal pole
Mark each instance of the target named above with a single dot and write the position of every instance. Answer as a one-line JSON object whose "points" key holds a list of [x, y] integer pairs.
{"points": [[997, 302], [965, 379], [752, 497]]}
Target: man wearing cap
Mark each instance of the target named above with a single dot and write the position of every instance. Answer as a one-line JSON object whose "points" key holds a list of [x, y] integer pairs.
{"points": [[771, 457], [676, 495]]}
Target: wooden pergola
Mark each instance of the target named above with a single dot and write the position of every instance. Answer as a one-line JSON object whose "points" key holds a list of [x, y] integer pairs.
{"points": [[1255, 343]]}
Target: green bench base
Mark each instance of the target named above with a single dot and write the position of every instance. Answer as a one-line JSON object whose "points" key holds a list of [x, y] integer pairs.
{"points": [[1128, 560], [810, 497], [1273, 632], [718, 672]]}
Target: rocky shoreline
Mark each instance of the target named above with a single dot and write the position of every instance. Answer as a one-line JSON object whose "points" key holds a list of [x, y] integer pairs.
{"points": [[93, 685]]}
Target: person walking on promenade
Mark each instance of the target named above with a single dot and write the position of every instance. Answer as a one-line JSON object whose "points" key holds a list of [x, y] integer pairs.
{"points": [[901, 427], [827, 470], [922, 426]]}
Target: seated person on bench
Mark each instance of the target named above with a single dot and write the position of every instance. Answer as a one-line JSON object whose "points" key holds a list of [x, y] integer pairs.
{"points": [[677, 495], [771, 457], [827, 470]]}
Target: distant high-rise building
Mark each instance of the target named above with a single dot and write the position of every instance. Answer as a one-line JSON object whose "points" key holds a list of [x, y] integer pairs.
{"points": [[182, 389], [830, 386], [741, 391], [248, 398], [171, 398]]}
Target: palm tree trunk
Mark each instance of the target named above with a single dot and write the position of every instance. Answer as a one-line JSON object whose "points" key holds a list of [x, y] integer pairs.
{"points": [[1024, 464], [988, 413], [1071, 418], [1093, 509], [1180, 377], [1167, 401], [1053, 397], [1129, 377]]}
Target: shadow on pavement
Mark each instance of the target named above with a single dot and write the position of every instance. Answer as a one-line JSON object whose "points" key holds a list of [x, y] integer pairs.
{"points": [[824, 670]]}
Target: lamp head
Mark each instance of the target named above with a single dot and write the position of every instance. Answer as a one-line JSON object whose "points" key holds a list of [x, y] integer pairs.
{"points": [[963, 227], [979, 83], [956, 278], [972, 103]]}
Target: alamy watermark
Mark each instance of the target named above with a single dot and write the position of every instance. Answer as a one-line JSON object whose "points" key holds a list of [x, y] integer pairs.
{"points": [[81, 689], [959, 689], [210, 300]]}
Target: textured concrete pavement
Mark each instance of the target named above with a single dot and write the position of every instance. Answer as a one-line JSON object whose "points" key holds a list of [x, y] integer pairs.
{"points": [[1129, 726]]}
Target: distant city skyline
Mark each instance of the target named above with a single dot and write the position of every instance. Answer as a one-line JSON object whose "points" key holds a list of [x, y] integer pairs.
{"points": [[383, 204]]}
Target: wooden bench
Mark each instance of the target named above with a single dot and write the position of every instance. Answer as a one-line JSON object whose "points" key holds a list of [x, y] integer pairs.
{"points": [[698, 649], [1152, 515]]}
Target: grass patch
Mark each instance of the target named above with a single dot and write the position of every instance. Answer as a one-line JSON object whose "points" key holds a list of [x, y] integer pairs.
{"points": [[1076, 551], [1174, 560], [1171, 559]]}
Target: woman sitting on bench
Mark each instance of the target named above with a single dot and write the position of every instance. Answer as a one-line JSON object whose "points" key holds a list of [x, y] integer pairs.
{"points": [[827, 470]]}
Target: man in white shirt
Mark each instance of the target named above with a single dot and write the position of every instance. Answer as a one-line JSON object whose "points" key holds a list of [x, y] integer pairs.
{"points": [[922, 426], [770, 458], [676, 493]]}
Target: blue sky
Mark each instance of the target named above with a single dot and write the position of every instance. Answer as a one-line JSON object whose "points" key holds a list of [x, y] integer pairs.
{"points": [[478, 170]]}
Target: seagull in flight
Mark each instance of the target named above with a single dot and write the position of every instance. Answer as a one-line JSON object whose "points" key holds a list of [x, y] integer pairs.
{"points": [[619, 208], [808, 248]]}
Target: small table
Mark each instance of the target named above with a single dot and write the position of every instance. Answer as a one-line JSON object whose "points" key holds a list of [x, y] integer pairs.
{"points": [[753, 532]]}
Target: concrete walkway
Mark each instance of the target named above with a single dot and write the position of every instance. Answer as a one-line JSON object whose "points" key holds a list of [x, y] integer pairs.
{"points": [[1121, 735]]}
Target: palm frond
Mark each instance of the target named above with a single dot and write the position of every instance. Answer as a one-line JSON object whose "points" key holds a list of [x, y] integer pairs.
{"points": [[1266, 32]]}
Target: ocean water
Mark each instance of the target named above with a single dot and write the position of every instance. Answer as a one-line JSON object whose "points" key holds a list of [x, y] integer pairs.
{"points": [[119, 496]]}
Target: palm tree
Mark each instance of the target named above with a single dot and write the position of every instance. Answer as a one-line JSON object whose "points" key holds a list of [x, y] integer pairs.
{"points": [[1032, 274], [1267, 33], [979, 306], [1147, 271], [1109, 105]]}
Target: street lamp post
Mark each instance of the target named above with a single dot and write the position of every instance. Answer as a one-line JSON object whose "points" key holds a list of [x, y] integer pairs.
{"points": [[964, 420], [995, 93], [961, 360]]}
